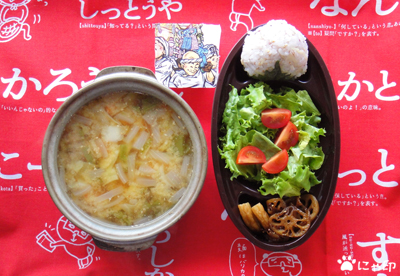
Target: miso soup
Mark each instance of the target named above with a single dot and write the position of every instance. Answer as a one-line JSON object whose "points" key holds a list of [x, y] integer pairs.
{"points": [[125, 157]]}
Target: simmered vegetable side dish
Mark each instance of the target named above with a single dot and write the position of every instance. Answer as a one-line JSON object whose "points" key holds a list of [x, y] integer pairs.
{"points": [[125, 157], [283, 219]]}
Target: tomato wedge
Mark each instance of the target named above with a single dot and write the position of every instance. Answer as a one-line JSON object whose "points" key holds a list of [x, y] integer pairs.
{"points": [[287, 137], [275, 117], [276, 163], [250, 155]]}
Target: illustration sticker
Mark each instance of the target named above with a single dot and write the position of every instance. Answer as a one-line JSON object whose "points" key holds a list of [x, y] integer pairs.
{"points": [[187, 55]]}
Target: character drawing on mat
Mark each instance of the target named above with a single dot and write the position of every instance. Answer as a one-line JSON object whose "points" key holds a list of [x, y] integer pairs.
{"points": [[75, 242], [281, 264], [190, 74], [12, 19], [164, 65], [183, 58], [189, 40], [211, 67], [241, 13]]}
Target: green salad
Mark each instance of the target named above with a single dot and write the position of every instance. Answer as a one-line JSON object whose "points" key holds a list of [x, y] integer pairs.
{"points": [[242, 126]]}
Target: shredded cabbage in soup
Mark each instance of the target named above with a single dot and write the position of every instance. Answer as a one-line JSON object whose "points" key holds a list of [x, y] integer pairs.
{"points": [[125, 157]]}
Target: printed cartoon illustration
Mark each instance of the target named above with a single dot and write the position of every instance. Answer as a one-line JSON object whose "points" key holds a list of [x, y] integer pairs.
{"points": [[241, 13], [186, 55], [211, 64], [189, 39], [75, 242], [12, 19], [243, 261], [281, 263], [164, 63], [190, 74], [243, 258]]}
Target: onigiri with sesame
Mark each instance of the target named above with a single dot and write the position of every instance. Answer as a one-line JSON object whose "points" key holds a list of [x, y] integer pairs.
{"points": [[275, 51]]}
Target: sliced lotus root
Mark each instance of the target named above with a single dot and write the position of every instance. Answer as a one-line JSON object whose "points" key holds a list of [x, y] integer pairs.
{"points": [[249, 218], [312, 205], [262, 216], [295, 201], [290, 222], [275, 205]]}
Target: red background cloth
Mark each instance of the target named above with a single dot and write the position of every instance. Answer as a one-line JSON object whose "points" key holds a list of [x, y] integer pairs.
{"points": [[361, 44]]}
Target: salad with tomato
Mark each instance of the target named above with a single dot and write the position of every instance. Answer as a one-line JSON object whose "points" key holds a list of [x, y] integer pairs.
{"points": [[272, 137]]}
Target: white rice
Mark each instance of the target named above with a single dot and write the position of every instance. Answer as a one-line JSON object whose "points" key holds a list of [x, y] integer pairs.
{"points": [[276, 41]]}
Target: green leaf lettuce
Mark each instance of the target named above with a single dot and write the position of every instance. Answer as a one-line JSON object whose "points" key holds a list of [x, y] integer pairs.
{"points": [[241, 125]]}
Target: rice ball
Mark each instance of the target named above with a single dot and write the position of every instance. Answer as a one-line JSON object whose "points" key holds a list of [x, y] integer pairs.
{"points": [[275, 51]]}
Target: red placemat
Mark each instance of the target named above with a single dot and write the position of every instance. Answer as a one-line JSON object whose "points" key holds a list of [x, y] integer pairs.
{"points": [[50, 49]]}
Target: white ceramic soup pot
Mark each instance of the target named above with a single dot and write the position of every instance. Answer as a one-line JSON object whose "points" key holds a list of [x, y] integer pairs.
{"points": [[107, 235]]}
